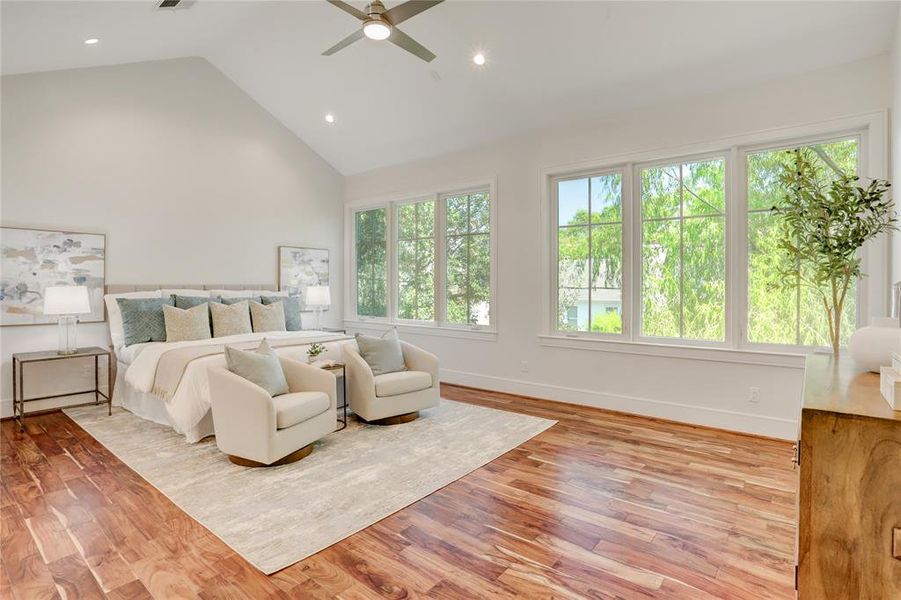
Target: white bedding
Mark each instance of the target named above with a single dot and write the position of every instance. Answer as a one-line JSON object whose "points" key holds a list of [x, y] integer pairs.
{"points": [[191, 401]]}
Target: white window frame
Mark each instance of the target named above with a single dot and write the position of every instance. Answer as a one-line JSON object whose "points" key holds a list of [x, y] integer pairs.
{"points": [[872, 292], [638, 235], [626, 184], [352, 284], [439, 326], [394, 270], [742, 164]]}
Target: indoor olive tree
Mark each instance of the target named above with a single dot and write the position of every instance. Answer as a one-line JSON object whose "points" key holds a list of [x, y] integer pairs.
{"points": [[824, 222]]}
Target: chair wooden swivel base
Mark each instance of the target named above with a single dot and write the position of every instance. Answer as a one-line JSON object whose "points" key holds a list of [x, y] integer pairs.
{"points": [[395, 420], [293, 457]]}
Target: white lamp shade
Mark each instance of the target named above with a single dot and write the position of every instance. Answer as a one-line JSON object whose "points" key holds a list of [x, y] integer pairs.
{"points": [[66, 300], [318, 295]]}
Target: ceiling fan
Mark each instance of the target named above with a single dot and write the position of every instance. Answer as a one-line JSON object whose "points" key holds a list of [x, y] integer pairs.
{"points": [[381, 24]]}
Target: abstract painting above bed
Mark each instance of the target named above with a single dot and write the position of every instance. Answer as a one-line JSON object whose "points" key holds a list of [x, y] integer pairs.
{"points": [[34, 259], [300, 268]]}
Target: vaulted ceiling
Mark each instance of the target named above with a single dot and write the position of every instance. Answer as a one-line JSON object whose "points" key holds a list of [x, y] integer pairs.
{"points": [[548, 63]]}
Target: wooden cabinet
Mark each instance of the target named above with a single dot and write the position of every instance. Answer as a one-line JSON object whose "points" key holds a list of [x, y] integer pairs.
{"points": [[849, 501]]}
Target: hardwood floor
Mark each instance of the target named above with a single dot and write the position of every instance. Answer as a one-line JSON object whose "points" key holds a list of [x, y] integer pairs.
{"points": [[602, 505]]}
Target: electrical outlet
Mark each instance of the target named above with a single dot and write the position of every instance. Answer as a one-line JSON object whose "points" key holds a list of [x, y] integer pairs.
{"points": [[524, 366], [754, 394]]}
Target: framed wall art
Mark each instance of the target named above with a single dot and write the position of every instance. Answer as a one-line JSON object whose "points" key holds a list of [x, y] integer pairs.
{"points": [[32, 260]]}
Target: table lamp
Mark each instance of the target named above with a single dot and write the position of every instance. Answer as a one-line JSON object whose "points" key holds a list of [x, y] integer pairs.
{"points": [[67, 301], [318, 297]]}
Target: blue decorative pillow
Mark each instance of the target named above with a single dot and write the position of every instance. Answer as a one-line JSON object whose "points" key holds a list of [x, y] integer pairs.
{"points": [[143, 320], [292, 310], [186, 302], [236, 300]]}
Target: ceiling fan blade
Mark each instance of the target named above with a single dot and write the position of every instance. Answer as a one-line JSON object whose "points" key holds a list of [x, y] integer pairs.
{"points": [[348, 9], [399, 38], [402, 12], [356, 35]]}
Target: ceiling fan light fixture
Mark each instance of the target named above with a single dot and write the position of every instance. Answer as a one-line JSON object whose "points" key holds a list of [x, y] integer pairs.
{"points": [[376, 29]]}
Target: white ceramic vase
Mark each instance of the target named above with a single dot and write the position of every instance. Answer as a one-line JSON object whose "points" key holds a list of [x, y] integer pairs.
{"points": [[872, 347]]}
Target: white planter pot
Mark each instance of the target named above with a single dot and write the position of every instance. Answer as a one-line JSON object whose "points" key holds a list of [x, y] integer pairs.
{"points": [[872, 347]]}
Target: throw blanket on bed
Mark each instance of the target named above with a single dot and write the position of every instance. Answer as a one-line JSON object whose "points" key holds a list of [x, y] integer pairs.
{"points": [[172, 363]]}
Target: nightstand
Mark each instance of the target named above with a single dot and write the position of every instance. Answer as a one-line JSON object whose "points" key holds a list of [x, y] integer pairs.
{"points": [[20, 359]]}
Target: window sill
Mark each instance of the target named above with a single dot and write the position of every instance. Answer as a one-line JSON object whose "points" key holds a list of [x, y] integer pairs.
{"points": [[485, 335], [791, 360]]}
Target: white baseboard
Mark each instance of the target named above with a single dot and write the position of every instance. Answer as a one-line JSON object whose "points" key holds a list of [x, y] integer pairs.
{"points": [[774, 427]]}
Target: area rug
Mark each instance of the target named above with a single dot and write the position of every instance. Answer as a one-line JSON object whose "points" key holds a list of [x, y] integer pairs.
{"points": [[276, 516]]}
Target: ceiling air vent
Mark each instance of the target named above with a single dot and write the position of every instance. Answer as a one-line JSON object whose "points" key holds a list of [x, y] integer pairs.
{"points": [[175, 4]]}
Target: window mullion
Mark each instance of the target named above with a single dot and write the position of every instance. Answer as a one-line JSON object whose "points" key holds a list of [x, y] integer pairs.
{"points": [[589, 262], [681, 254], [440, 261]]}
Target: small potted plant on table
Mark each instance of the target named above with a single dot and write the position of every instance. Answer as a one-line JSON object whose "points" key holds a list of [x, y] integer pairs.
{"points": [[314, 351]]}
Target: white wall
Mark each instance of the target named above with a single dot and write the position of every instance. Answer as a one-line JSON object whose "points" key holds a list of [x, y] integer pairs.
{"points": [[190, 180], [712, 392]]}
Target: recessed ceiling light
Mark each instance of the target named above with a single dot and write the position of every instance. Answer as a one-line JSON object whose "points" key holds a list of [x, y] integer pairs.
{"points": [[91, 41], [479, 59], [330, 118]]}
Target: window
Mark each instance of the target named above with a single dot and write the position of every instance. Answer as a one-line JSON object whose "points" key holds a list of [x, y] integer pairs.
{"points": [[416, 261], [777, 315], [590, 254], [683, 251], [468, 252], [437, 254], [370, 228]]}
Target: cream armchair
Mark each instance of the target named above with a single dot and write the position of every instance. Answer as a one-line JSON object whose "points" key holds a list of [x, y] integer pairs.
{"points": [[256, 429], [393, 397]]}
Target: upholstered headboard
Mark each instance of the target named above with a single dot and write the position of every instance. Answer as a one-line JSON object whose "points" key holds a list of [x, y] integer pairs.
{"points": [[119, 288]]}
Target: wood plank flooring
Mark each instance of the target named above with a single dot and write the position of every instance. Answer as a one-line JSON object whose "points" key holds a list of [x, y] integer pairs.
{"points": [[602, 505]]}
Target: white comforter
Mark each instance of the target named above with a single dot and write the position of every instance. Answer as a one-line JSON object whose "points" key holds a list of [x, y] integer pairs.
{"points": [[191, 400]]}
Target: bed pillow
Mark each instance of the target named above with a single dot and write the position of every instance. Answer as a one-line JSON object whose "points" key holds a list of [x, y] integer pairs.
{"points": [[184, 325], [230, 319], [235, 296], [260, 366], [269, 317], [192, 301], [382, 354], [291, 307], [116, 330], [230, 301], [142, 319]]}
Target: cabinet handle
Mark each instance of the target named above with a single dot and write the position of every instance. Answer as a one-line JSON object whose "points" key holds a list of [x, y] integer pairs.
{"points": [[896, 543], [796, 455]]}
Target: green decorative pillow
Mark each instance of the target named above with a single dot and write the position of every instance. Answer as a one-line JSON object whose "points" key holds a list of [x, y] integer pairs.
{"points": [[142, 319], [291, 305], [192, 301], [382, 354], [260, 366], [184, 325]]}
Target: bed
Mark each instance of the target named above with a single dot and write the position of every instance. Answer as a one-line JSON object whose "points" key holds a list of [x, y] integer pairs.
{"points": [[187, 407]]}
